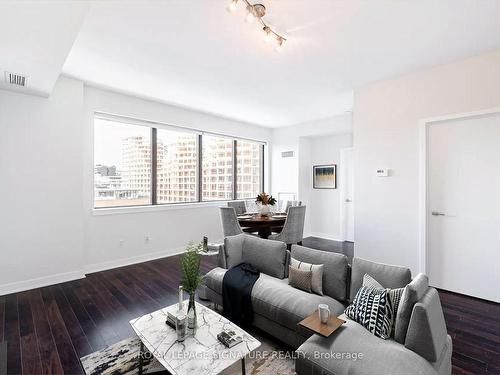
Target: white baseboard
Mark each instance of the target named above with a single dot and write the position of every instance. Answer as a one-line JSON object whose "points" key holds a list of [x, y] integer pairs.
{"points": [[91, 268], [325, 236], [40, 282], [96, 267]]}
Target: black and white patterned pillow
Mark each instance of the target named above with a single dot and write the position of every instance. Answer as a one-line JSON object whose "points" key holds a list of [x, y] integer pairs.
{"points": [[372, 308], [394, 295]]}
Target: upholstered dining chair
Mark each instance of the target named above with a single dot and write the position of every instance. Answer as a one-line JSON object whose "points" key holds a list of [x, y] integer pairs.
{"points": [[293, 230], [292, 204], [251, 206], [230, 225], [239, 206]]}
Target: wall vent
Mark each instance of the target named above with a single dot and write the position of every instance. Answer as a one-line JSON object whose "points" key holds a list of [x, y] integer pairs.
{"points": [[15, 79], [287, 154]]}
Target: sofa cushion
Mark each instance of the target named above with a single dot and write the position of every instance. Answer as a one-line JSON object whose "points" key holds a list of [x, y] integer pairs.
{"points": [[267, 256], [336, 354], [334, 269], [213, 279], [233, 246], [276, 300], [316, 274], [387, 275], [427, 334], [414, 291]]}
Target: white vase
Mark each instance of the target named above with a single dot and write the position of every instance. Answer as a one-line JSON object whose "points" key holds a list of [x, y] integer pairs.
{"points": [[264, 210]]}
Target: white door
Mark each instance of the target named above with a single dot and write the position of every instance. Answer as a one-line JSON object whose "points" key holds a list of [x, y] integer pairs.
{"points": [[463, 206], [347, 183]]}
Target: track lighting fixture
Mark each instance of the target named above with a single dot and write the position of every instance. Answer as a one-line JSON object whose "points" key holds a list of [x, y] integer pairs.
{"points": [[256, 12]]}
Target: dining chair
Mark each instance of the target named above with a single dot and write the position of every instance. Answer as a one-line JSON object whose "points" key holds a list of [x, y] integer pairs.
{"points": [[230, 225], [292, 204], [239, 206], [251, 206], [293, 230]]}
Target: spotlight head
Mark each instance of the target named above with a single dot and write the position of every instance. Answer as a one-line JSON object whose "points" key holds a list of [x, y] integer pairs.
{"points": [[231, 7], [281, 43]]}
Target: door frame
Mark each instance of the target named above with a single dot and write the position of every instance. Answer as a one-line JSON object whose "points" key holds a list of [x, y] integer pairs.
{"points": [[424, 161], [343, 192]]}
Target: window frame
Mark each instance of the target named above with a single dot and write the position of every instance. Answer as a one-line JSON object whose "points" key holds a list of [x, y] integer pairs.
{"points": [[154, 126]]}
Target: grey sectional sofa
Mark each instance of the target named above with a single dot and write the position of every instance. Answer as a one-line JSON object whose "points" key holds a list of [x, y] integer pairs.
{"points": [[423, 348]]}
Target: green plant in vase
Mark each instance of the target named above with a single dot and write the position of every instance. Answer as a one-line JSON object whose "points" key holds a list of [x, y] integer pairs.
{"points": [[191, 278]]}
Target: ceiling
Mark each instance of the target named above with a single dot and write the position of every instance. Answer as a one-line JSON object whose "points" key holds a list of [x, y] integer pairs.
{"points": [[35, 40], [197, 55]]}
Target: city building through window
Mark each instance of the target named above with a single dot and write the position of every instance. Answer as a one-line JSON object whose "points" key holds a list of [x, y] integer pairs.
{"points": [[137, 164]]}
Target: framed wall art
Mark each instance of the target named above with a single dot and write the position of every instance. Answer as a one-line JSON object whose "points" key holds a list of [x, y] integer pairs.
{"points": [[325, 176]]}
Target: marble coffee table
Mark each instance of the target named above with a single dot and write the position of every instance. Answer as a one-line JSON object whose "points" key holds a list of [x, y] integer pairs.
{"points": [[198, 354]]}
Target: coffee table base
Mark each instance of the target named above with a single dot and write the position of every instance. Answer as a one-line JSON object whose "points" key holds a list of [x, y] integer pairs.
{"points": [[243, 368], [141, 359]]}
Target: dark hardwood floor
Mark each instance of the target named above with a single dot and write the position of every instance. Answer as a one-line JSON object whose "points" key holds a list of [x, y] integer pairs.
{"points": [[47, 330], [474, 326]]}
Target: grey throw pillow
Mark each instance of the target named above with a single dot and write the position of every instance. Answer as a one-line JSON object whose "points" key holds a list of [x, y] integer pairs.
{"points": [[413, 292], [394, 295], [300, 279], [317, 274]]}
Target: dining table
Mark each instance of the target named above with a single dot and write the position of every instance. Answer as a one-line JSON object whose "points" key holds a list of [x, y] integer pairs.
{"points": [[263, 225]]}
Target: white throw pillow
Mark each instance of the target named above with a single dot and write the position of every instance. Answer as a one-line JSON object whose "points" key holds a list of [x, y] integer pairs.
{"points": [[317, 274]]}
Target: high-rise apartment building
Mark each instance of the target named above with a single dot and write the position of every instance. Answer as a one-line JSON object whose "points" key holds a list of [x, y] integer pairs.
{"points": [[136, 165], [248, 169], [177, 170]]}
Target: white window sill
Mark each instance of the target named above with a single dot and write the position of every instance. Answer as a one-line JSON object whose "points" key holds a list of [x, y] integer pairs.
{"points": [[155, 208]]}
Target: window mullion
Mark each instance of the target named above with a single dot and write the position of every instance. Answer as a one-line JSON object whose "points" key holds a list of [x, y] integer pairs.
{"points": [[200, 168], [235, 169], [154, 167], [262, 169]]}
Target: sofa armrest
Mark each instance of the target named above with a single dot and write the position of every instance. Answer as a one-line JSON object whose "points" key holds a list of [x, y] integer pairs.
{"points": [[221, 255], [427, 333]]}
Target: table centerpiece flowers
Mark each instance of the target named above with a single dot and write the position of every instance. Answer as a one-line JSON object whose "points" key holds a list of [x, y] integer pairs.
{"points": [[265, 200]]}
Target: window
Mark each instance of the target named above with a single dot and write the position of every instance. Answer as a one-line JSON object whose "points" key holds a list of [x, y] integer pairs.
{"points": [[249, 169], [136, 164], [122, 164], [217, 168], [177, 166]]}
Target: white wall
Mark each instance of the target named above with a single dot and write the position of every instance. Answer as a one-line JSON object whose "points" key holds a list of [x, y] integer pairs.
{"points": [[285, 176], [168, 230], [311, 142], [386, 134], [48, 232], [41, 220], [325, 204]]}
